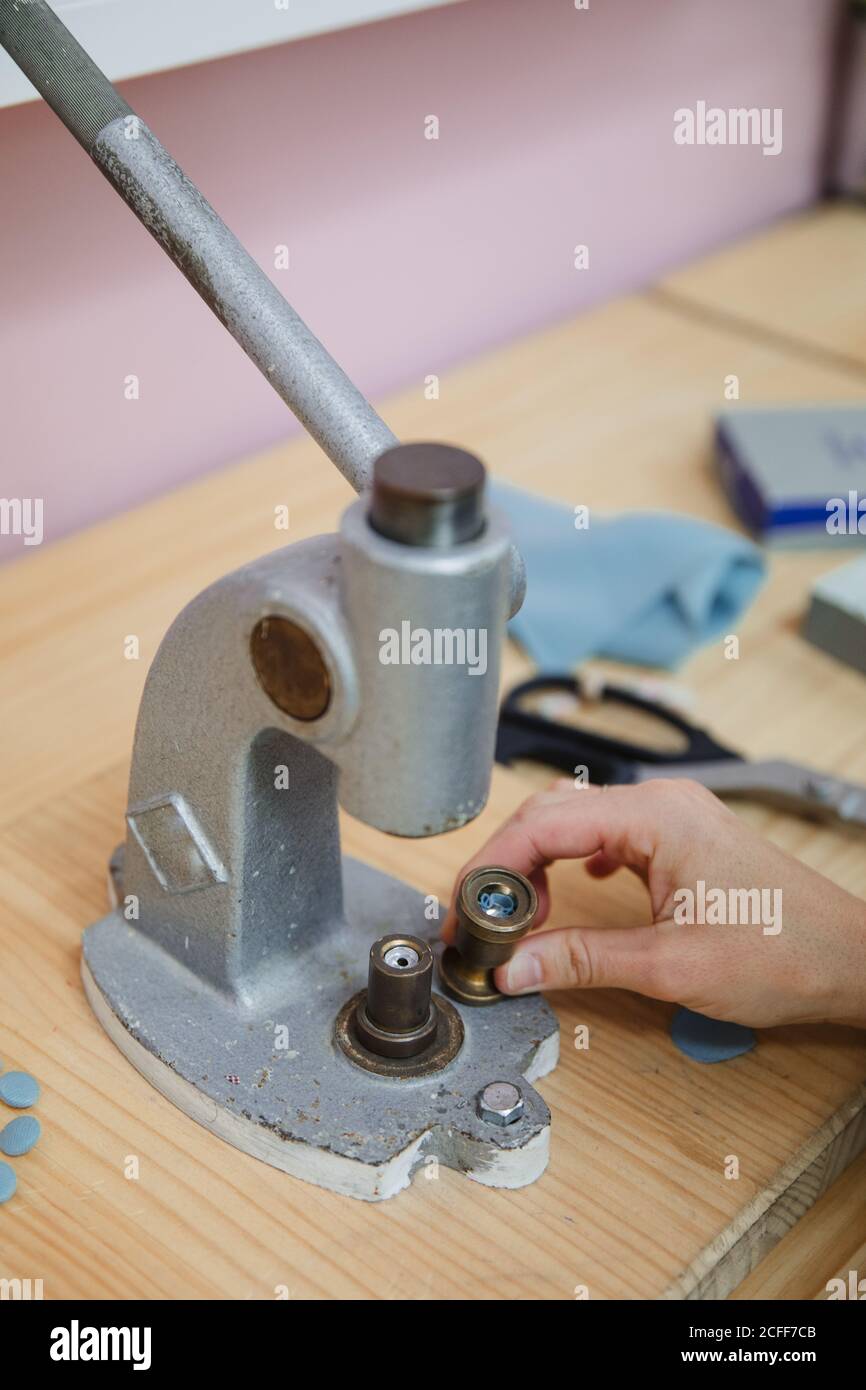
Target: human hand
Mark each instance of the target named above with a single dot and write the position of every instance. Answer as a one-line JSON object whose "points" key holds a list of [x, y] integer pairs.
{"points": [[799, 956]]}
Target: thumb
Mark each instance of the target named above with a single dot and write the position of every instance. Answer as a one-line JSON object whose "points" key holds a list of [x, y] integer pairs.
{"points": [[584, 958]]}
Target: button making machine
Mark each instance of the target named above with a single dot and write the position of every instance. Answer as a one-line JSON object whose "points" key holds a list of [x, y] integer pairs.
{"points": [[284, 995]]}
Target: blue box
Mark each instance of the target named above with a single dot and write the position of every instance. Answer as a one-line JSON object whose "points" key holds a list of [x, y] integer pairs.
{"points": [[796, 475]]}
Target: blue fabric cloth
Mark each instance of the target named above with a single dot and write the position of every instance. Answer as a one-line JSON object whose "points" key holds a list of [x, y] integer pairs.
{"points": [[645, 587], [709, 1039]]}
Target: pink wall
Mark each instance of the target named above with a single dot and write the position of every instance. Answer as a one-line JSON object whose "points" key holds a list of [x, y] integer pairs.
{"points": [[407, 255]]}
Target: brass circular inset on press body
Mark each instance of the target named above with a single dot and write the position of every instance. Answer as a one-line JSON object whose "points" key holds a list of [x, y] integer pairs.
{"points": [[290, 668], [495, 908], [397, 1026]]}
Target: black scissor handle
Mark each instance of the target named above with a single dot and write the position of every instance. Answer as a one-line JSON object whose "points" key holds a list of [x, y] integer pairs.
{"points": [[525, 734]]}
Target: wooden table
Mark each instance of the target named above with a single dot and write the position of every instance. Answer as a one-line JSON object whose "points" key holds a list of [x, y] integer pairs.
{"points": [[612, 410]]}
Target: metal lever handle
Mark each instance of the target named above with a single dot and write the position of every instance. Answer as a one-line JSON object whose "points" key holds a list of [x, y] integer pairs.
{"points": [[188, 229]]}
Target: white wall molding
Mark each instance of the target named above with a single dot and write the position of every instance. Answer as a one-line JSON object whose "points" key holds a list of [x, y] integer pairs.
{"points": [[128, 38]]}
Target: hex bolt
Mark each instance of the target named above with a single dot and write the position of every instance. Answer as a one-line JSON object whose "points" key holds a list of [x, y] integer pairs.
{"points": [[396, 1017], [500, 1103], [495, 908]]}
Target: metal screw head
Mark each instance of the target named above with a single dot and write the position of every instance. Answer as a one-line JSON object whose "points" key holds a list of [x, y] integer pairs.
{"points": [[500, 1103]]}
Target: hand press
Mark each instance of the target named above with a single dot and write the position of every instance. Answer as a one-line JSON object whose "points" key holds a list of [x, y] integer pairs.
{"points": [[277, 991]]}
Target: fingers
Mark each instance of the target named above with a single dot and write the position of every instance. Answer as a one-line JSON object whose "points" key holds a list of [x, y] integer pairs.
{"points": [[552, 825], [564, 823], [692, 965], [585, 958], [609, 827], [601, 865]]}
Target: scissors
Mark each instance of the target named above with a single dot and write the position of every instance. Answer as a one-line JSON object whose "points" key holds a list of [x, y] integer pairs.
{"points": [[526, 734]]}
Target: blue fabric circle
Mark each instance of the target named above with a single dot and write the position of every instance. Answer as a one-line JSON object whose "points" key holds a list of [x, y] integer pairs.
{"points": [[20, 1135], [19, 1089], [8, 1181], [709, 1039]]}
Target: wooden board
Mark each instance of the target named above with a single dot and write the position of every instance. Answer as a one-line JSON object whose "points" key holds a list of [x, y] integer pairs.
{"points": [[799, 285], [611, 410], [826, 1243]]}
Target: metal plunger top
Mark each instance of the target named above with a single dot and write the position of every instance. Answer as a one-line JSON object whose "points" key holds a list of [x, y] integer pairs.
{"points": [[428, 494], [173, 210]]}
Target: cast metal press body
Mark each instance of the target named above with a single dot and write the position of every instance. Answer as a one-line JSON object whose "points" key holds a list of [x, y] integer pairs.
{"points": [[277, 991]]}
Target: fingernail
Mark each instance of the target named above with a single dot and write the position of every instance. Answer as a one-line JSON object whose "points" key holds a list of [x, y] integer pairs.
{"points": [[524, 973]]}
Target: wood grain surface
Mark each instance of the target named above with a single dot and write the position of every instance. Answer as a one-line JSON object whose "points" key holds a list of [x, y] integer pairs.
{"points": [[612, 410], [790, 286]]}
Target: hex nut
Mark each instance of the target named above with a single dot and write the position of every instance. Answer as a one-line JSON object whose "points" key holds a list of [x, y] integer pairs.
{"points": [[500, 1103]]}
